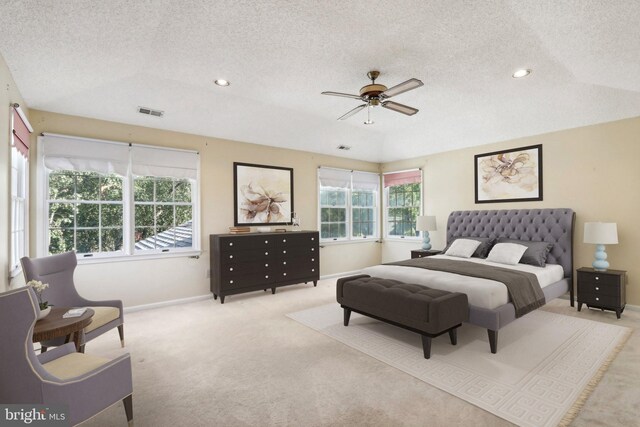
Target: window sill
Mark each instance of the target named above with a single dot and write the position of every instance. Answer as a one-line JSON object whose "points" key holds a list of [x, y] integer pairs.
{"points": [[349, 242], [15, 273], [412, 240], [137, 257]]}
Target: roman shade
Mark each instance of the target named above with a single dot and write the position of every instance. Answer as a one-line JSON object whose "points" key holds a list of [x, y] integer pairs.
{"points": [[62, 152], [21, 129], [336, 178], [164, 162], [366, 181], [401, 178]]}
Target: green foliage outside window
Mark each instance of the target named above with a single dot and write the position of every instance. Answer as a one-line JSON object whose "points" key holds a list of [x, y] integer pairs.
{"points": [[363, 213], [403, 208], [333, 213]]}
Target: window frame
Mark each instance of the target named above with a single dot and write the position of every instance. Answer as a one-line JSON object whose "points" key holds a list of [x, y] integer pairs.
{"points": [[128, 224], [350, 238], [386, 207], [15, 268]]}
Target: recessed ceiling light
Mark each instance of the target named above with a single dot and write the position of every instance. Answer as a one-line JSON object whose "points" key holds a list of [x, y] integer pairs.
{"points": [[521, 73], [222, 82]]}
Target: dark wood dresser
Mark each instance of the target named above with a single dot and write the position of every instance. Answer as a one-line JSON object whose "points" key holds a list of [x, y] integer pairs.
{"points": [[259, 261], [602, 289]]}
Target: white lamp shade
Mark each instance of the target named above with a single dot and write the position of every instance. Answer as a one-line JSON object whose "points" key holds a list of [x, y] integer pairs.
{"points": [[426, 223], [601, 233]]}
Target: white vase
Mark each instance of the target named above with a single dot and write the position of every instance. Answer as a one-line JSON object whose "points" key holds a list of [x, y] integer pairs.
{"points": [[44, 313]]}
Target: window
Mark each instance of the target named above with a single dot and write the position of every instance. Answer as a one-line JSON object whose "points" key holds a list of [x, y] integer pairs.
{"points": [[403, 203], [20, 135], [348, 204], [112, 199]]}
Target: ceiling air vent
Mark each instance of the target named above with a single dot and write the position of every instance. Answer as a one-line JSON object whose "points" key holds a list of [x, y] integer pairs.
{"points": [[344, 147], [150, 112]]}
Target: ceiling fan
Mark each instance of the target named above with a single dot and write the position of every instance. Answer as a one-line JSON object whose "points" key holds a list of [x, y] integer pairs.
{"points": [[376, 94]]}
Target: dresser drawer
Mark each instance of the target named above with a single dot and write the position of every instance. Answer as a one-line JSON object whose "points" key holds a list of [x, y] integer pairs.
{"points": [[249, 256], [238, 281], [599, 300], [235, 243], [293, 240], [243, 268]]}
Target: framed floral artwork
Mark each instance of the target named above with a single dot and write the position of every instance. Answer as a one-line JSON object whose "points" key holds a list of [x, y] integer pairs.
{"points": [[509, 175], [263, 194]]}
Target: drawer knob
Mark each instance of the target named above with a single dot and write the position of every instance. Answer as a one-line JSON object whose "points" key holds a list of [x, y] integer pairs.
{"points": [[266, 253], [230, 243], [597, 299], [230, 256], [313, 238], [266, 265], [284, 240], [313, 249], [597, 278], [313, 259], [284, 274], [266, 241], [230, 282], [597, 288], [284, 262], [231, 269], [313, 269], [284, 252], [266, 276]]}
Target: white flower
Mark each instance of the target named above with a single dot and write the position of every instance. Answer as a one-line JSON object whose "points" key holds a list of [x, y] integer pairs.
{"points": [[37, 286]]}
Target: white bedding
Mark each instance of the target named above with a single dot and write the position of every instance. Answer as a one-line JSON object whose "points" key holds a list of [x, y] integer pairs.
{"points": [[481, 292]]}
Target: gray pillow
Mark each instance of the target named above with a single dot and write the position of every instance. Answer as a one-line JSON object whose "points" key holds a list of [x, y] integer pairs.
{"points": [[482, 251], [536, 253]]}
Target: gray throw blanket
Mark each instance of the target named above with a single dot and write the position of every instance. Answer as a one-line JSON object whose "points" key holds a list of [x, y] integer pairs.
{"points": [[524, 288]]}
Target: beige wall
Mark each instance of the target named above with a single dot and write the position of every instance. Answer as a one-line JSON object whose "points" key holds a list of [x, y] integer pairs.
{"points": [[9, 94], [593, 170], [149, 281]]}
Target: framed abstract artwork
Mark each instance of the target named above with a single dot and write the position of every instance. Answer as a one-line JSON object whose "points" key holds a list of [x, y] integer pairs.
{"points": [[509, 175], [263, 195]]}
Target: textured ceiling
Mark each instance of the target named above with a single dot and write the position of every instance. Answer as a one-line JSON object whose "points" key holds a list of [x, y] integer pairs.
{"points": [[103, 59]]}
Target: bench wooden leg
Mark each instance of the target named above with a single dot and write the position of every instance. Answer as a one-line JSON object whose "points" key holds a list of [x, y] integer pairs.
{"points": [[426, 346], [453, 336], [347, 315], [493, 340]]}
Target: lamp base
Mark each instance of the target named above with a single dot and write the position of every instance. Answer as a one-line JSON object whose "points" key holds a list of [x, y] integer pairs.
{"points": [[426, 241], [600, 263]]}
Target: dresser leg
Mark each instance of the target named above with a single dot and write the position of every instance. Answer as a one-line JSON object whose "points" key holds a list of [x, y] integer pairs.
{"points": [[618, 313], [273, 291], [315, 282], [221, 299], [579, 306], [215, 296]]}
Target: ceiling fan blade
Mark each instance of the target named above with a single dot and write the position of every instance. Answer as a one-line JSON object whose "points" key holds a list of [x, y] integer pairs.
{"points": [[400, 108], [401, 88], [345, 95], [352, 112]]}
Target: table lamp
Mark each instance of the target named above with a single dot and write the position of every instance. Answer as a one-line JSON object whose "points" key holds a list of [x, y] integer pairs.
{"points": [[426, 224], [600, 233]]}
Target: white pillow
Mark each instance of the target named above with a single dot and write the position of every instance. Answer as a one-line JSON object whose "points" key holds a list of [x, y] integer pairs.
{"points": [[463, 248], [506, 253]]}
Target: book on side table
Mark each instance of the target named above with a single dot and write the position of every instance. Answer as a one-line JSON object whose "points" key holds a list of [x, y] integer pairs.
{"points": [[74, 312]]}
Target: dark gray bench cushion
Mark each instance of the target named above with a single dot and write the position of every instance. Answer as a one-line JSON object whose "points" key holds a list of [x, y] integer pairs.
{"points": [[415, 306]]}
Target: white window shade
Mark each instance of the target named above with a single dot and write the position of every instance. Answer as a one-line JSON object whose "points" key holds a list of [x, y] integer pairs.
{"points": [[166, 163], [366, 181], [79, 154], [336, 178]]}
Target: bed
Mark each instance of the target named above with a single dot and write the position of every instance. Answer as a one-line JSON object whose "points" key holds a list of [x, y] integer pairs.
{"points": [[489, 303]]}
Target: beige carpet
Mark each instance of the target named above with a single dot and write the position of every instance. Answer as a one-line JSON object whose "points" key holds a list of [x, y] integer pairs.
{"points": [[245, 363], [544, 364]]}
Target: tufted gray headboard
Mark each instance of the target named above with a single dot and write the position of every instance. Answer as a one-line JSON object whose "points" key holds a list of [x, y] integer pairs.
{"points": [[549, 225]]}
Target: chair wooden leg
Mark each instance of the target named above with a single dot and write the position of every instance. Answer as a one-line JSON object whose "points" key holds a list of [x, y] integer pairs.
{"points": [[128, 408], [121, 333]]}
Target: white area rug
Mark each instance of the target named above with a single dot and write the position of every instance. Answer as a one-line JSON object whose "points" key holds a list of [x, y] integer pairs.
{"points": [[545, 368]]}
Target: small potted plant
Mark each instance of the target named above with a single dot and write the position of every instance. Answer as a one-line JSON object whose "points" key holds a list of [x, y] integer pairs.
{"points": [[39, 287]]}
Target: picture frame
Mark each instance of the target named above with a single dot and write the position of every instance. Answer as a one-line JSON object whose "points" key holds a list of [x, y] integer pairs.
{"points": [[263, 194], [513, 175]]}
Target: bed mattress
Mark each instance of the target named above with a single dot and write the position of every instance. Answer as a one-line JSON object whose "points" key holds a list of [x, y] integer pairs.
{"points": [[483, 293]]}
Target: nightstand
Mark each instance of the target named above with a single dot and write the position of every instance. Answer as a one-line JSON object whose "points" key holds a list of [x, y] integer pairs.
{"points": [[602, 289], [421, 253]]}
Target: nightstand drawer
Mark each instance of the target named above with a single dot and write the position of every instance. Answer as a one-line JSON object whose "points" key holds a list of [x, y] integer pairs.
{"points": [[598, 288], [598, 278], [599, 300]]}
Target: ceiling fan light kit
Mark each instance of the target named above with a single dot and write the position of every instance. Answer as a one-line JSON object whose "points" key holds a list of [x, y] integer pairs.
{"points": [[376, 94]]}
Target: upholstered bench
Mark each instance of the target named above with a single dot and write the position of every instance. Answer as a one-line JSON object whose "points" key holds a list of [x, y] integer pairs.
{"points": [[428, 312]]}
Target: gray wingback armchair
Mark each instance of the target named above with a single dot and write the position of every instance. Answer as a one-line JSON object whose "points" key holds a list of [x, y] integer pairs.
{"points": [[87, 384], [57, 271]]}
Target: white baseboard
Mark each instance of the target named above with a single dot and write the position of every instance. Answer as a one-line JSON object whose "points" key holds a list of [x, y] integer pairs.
{"points": [[345, 273], [167, 303]]}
